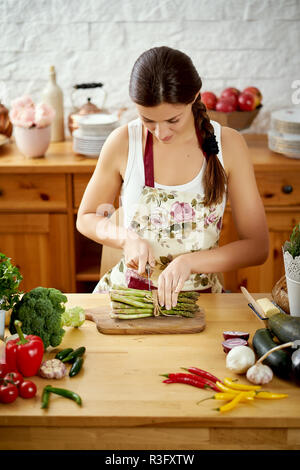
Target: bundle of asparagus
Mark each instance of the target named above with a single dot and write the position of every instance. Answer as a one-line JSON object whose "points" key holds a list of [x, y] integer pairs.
{"points": [[131, 304]]}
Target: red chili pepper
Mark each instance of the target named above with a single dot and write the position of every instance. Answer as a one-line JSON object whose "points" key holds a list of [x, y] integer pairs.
{"points": [[191, 379], [188, 381], [202, 373], [24, 354]]}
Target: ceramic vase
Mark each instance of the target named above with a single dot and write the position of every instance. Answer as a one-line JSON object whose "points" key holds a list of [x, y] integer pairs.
{"points": [[32, 142]]}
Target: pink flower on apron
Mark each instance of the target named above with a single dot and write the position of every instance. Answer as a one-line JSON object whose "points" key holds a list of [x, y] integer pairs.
{"points": [[182, 212]]}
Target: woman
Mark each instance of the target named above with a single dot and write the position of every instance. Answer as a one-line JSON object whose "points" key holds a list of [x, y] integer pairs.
{"points": [[175, 169]]}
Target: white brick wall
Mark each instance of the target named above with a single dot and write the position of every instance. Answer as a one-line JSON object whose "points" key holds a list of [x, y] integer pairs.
{"points": [[232, 43]]}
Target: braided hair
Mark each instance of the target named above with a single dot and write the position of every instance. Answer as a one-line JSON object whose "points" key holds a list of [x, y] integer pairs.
{"points": [[163, 74], [215, 177]]}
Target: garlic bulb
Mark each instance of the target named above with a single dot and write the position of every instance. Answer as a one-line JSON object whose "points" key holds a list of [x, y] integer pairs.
{"points": [[53, 369], [259, 374], [239, 359]]}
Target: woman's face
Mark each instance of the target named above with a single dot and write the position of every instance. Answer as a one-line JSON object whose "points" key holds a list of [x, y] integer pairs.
{"points": [[166, 121]]}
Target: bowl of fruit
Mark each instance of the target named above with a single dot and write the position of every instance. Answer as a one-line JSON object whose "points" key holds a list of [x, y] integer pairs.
{"points": [[233, 108]]}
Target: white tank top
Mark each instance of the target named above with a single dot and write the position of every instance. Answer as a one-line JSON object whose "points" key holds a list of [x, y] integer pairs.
{"points": [[134, 179]]}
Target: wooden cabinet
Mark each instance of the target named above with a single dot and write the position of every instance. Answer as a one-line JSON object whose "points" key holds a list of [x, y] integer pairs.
{"points": [[38, 244], [279, 187], [39, 199]]}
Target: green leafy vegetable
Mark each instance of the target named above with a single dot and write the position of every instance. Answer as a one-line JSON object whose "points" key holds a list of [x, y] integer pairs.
{"points": [[10, 279], [293, 246], [73, 317]]}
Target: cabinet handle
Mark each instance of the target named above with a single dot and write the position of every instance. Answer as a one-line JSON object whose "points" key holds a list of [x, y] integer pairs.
{"points": [[1, 192], [287, 189]]}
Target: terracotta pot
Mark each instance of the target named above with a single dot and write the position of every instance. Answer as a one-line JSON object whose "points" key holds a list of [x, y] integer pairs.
{"points": [[32, 142]]}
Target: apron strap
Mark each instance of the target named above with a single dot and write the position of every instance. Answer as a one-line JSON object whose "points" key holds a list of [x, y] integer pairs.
{"points": [[148, 161], [148, 157]]}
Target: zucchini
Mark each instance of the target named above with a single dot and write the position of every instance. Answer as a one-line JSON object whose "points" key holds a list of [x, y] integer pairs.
{"points": [[279, 361], [284, 327], [296, 366]]}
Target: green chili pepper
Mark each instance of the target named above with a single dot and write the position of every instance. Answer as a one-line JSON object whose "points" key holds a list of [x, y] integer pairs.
{"points": [[64, 393], [64, 353], [76, 366], [73, 355], [45, 397]]}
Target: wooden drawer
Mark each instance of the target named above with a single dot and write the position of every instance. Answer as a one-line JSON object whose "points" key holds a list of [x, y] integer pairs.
{"points": [[33, 192], [279, 189]]}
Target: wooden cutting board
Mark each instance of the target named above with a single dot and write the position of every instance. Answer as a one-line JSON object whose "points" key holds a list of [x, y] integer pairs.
{"points": [[145, 326]]}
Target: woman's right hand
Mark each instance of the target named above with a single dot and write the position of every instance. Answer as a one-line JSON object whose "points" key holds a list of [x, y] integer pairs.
{"points": [[137, 252]]}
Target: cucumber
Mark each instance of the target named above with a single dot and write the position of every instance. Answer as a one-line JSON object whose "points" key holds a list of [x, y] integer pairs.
{"points": [[279, 361], [284, 327]]}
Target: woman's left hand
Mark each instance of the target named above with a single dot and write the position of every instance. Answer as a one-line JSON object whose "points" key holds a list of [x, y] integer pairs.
{"points": [[171, 281]]}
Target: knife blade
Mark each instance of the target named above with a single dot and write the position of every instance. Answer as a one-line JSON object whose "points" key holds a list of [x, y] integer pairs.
{"points": [[148, 271], [256, 306]]}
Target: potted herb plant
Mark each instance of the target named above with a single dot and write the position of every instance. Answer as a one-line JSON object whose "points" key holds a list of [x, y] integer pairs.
{"points": [[10, 279], [291, 256]]}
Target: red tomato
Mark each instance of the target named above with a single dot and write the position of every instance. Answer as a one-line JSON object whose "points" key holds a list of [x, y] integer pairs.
{"points": [[27, 389], [8, 393], [14, 377], [4, 369]]}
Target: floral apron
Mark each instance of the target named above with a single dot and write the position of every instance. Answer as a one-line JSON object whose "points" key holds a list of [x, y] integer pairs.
{"points": [[173, 223]]}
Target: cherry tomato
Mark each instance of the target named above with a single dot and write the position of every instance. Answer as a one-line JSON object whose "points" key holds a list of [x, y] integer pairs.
{"points": [[8, 392], [14, 377], [27, 389], [4, 369]]}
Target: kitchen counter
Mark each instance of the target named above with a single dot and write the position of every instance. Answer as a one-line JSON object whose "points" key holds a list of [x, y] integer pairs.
{"points": [[60, 158], [126, 405]]}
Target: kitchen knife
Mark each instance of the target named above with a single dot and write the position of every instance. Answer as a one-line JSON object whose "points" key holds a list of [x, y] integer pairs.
{"points": [[256, 307], [148, 271]]}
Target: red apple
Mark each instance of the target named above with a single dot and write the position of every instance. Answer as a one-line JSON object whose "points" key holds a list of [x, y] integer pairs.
{"points": [[232, 98], [209, 99], [225, 106], [246, 101], [229, 92], [256, 92]]}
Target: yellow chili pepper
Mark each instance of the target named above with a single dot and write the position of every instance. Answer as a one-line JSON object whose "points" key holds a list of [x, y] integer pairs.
{"points": [[235, 386], [234, 402], [270, 395], [230, 396], [225, 389]]}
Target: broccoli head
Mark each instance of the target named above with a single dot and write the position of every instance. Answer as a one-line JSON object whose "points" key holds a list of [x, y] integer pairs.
{"points": [[40, 311]]}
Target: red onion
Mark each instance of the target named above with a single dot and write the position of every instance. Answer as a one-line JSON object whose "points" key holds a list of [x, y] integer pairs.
{"points": [[236, 334], [232, 343]]}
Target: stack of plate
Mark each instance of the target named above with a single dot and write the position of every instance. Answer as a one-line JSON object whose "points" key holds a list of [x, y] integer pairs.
{"points": [[284, 135], [92, 132]]}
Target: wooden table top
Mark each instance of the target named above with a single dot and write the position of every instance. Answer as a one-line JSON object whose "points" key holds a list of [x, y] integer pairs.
{"points": [[120, 382], [60, 158]]}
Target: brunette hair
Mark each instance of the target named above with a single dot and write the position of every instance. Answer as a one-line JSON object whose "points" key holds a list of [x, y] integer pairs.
{"points": [[162, 74]]}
